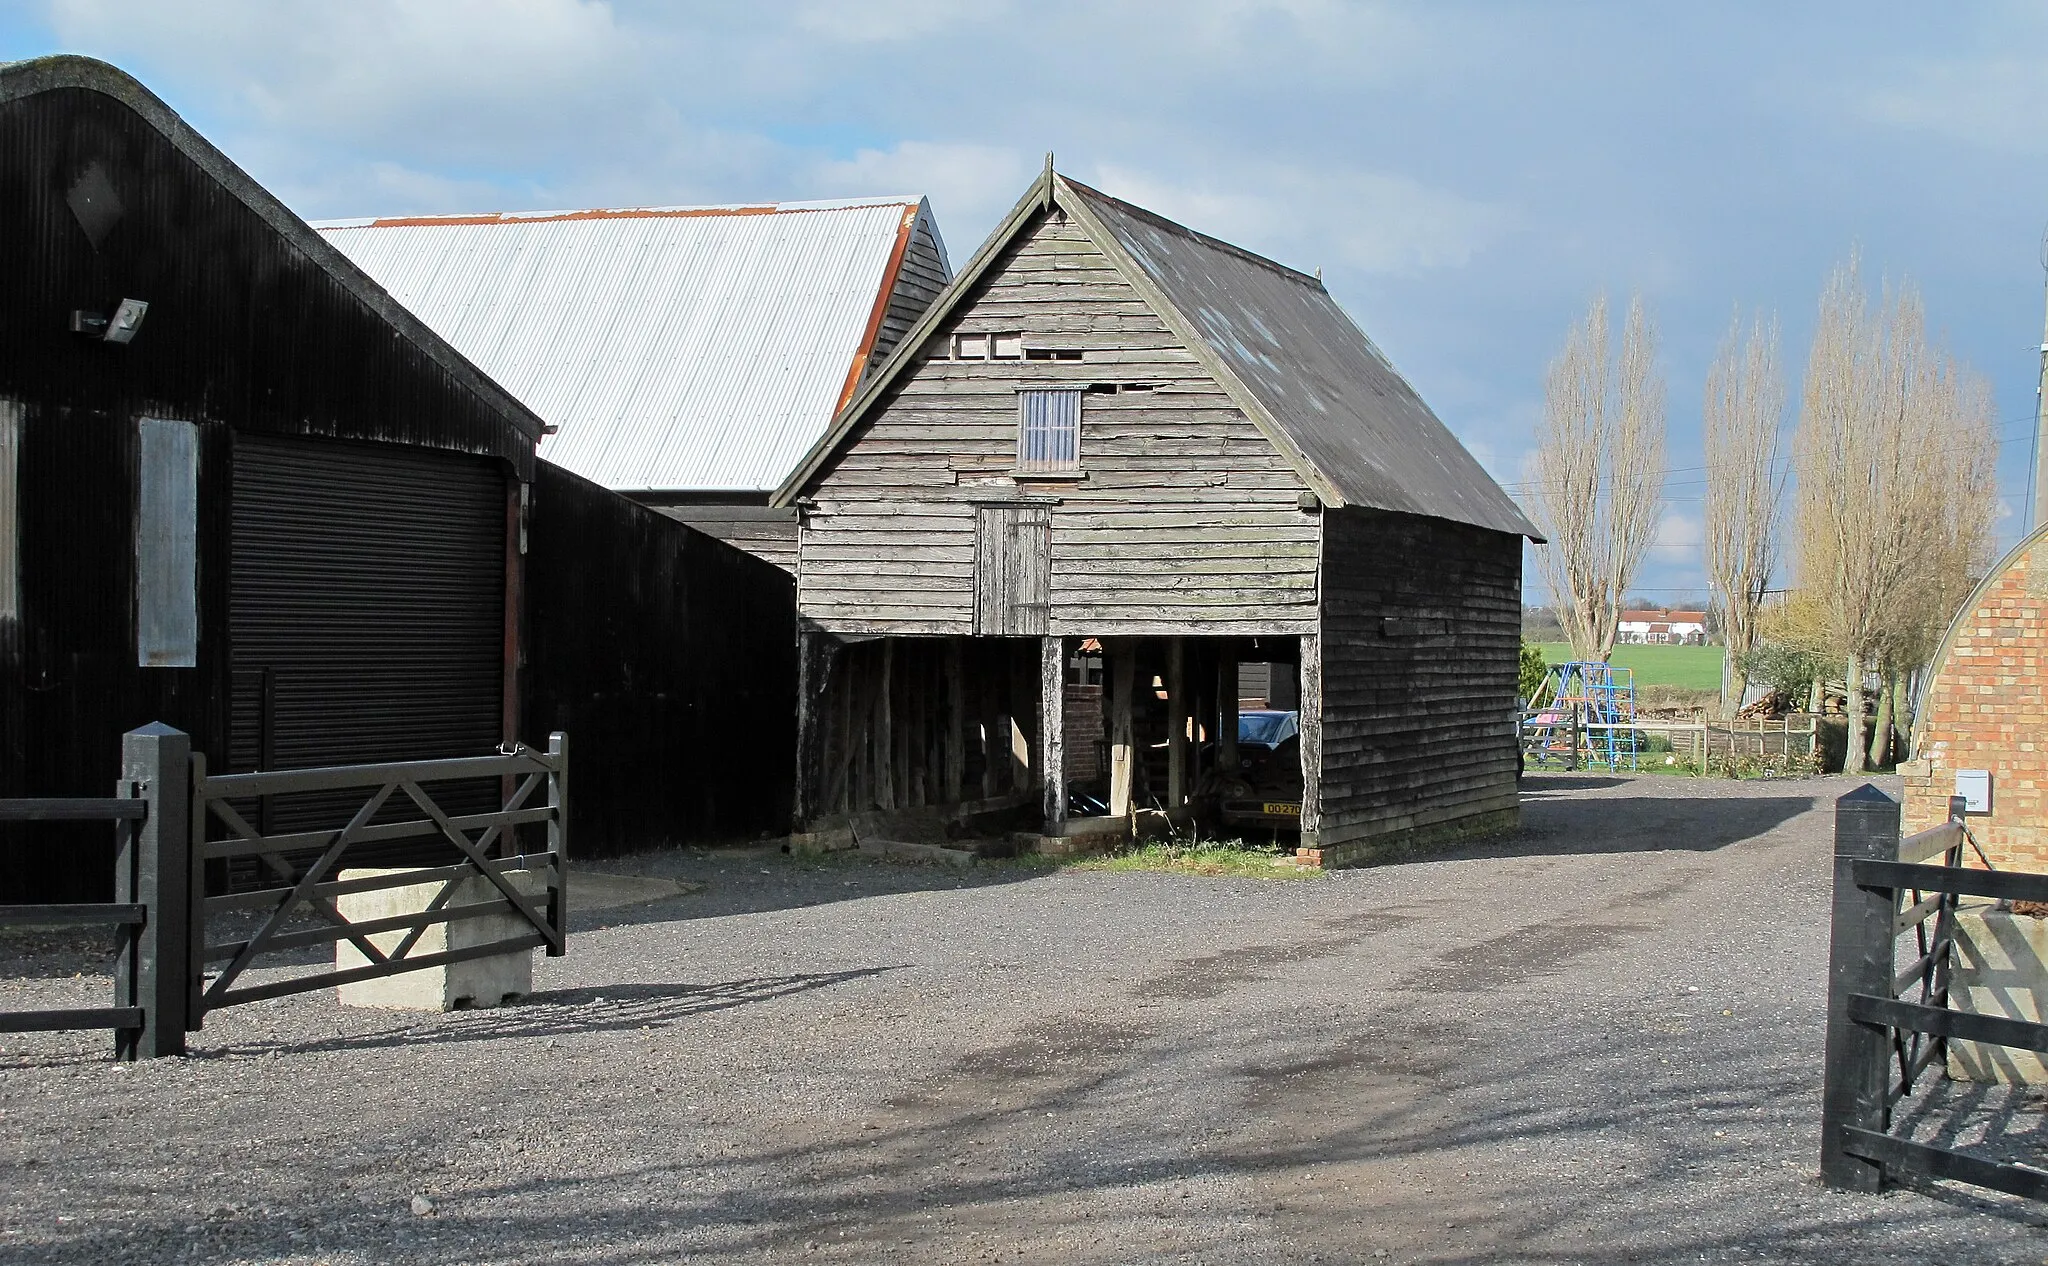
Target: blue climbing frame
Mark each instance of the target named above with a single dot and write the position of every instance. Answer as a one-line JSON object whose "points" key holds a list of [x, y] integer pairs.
{"points": [[1583, 714]]}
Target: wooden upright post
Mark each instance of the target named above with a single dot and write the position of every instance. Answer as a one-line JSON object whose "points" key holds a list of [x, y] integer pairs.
{"points": [[1226, 714], [1311, 738], [1858, 1068], [885, 729], [1121, 752], [1177, 714], [1052, 728], [956, 725]]}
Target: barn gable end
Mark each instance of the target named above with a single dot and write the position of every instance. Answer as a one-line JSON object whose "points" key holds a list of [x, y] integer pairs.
{"points": [[1184, 517]]}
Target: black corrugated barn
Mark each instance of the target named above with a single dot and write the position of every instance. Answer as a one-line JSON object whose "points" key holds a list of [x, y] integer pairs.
{"points": [[283, 516]]}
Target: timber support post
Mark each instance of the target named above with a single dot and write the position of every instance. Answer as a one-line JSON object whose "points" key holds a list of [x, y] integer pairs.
{"points": [[1122, 669], [1226, 714], [1052, 728], [1177, 714], [1311, 709], [156, 871], [1859, 962]]}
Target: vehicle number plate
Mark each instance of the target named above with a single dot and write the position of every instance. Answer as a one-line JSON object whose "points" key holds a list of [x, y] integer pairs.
{"points": [[1283, 807]]}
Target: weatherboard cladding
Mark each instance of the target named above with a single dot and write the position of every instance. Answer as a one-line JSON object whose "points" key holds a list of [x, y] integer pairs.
{"points": [[1188, 518], [673, 348], [1274, 340]]}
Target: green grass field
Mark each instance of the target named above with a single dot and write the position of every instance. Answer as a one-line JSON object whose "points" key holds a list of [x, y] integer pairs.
{"points": [[1693, 667]]}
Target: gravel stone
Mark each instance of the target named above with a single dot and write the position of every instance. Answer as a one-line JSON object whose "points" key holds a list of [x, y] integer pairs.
{"points": [[1492, 1055]]}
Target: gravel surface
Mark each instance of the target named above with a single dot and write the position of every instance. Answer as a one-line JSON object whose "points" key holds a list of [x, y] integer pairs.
{"points": [[1595, 1042]]}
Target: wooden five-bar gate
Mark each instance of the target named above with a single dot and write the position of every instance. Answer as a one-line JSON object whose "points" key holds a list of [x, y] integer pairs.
{"points": [[1889, 1013], [176, 822]]}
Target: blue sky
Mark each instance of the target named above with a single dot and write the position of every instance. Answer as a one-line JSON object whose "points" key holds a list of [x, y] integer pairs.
{"points": [[1465, 175]]}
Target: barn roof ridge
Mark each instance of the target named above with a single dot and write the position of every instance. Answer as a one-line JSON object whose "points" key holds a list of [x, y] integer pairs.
{"points": [[678, 211], [1332, 404], [30, 77]]}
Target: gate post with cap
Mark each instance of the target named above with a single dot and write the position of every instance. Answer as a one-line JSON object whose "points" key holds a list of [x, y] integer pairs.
{"points": [[1859, 962], [156, 760]]}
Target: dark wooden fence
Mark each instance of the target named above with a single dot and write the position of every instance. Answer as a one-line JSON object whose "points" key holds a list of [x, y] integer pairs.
{"points": [[1889, 1017], [173, 819], [671, 656]]}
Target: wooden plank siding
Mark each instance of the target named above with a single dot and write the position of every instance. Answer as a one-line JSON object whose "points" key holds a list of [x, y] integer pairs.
{"points": [[1185, 518], [918, 281], [1421, 630]]}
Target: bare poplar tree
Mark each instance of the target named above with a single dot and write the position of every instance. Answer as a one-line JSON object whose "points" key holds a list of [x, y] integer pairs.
{"points": [[1744, 412], [1597, 476], [1895, 454]]}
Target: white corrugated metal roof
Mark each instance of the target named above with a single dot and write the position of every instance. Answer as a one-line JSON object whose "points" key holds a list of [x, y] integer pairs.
{"points": [[673, 347]]}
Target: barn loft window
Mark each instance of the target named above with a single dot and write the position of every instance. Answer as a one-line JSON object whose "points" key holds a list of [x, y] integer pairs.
{"points": [[167, 545], [1049, 430], [1052, 353], [988, 347]]}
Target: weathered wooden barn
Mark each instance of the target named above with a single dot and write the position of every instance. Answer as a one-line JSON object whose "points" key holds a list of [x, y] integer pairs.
{"points": [[1111, 431], [687, 357], [245, 492]]}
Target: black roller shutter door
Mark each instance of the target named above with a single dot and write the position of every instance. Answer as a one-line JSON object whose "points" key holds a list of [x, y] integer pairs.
{"points": [[366, 606]]}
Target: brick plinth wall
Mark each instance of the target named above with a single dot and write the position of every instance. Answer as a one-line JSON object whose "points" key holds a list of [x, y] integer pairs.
{"points": [[1986, 707]]}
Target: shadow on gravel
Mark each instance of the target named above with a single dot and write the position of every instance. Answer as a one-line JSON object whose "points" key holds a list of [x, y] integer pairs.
{"points": [[1538, 783], [1637, 824], [764, 881], [567, 1012]]}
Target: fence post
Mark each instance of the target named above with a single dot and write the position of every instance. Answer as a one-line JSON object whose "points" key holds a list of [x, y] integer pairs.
{"points": [[157, 758], [127, 891], [1859, 962], [558, 841]]}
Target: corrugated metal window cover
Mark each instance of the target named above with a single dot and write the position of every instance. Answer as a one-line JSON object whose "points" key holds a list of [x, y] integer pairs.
{"points": [[366, 609]]}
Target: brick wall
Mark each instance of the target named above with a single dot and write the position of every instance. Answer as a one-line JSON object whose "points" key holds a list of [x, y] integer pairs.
{"points": [[1986, 707]]}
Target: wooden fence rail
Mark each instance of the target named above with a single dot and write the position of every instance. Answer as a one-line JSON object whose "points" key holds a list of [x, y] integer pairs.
{"points": [[1574, 743]]}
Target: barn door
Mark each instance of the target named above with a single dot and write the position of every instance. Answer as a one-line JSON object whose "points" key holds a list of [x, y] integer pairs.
{"points": [[1012, 570]]}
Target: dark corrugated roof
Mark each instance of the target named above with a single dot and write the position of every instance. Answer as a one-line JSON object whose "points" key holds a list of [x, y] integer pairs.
{"points": [[1311, 371]]}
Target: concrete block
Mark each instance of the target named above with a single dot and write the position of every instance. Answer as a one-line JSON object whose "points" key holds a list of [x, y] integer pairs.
{"points": [[908, 850], [2001, 968], [478, 982]]}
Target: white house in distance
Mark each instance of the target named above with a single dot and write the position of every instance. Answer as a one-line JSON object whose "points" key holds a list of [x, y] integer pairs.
{"points": [[688, 357], [1683, 628]]}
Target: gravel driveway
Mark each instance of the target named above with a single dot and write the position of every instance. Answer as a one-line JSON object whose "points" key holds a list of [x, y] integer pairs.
{"points": [[1595, 1042]]}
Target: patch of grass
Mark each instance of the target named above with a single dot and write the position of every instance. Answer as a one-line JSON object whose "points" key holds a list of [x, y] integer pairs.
{"points": [[1223, 857], [1692, 667]]}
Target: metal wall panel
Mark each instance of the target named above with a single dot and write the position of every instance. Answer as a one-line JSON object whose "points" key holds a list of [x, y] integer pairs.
{"points": [[10, 521], [167, 545]]}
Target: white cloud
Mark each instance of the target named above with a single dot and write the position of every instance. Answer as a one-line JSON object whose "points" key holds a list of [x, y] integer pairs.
{"points": [[1677, 531], [879, 21], [1996, 103], [1313, 217], [479, 75], [970, 186]]}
